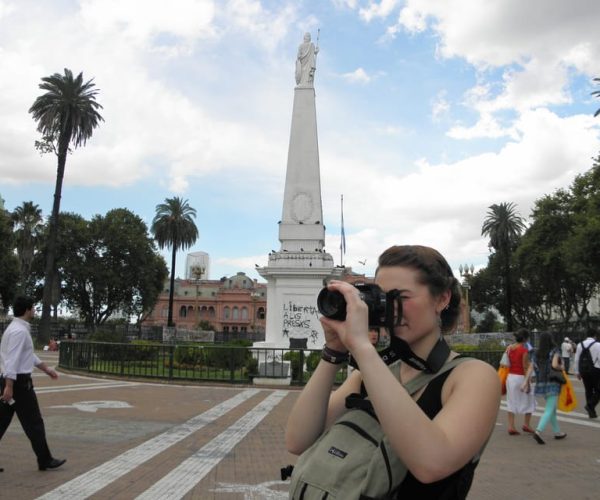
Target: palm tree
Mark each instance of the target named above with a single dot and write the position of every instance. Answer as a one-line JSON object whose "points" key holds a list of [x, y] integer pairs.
{"points": [[504, 227], [67, 113], [173, 226], [27, 220], [596, 93]]}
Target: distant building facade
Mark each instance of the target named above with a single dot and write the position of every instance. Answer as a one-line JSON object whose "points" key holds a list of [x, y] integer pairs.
{"points": [[197, 266], [235, 304]]}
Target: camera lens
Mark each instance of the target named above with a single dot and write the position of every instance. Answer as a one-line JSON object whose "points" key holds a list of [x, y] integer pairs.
{"points": [[331, 304]]}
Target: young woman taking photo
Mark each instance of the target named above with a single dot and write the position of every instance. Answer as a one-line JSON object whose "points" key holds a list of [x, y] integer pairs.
{"points": [[438, 432]]}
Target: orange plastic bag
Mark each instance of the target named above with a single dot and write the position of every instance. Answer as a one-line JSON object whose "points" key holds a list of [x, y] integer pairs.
{"points": [[503, 374], [567, 401]]}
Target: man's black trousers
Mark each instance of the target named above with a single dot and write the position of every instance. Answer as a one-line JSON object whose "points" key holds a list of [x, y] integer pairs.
{"points": [[591, 382], [28, 412]]}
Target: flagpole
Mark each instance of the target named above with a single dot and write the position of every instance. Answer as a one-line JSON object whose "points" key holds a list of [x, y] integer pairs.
{"points": [[342, 235]]}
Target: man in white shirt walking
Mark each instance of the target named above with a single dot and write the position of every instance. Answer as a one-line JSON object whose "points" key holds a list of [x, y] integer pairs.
{"points": [[588, 370], [17, 360], [566, 350]]}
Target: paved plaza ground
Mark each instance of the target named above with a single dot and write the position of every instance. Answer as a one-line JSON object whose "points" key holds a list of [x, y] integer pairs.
{"points": [[131, 439]]}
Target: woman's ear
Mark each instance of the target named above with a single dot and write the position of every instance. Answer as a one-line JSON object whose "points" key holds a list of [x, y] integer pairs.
{"points": [[443, 301]]}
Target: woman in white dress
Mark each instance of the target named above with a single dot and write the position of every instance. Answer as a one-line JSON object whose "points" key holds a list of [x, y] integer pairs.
{"points": [[519, 397]]}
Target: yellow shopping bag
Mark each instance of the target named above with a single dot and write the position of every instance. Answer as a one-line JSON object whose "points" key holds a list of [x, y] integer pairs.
{"points": [[503, 375], [567, 401]]}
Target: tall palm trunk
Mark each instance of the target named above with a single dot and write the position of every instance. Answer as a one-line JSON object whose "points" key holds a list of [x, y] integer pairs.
{"points": [[63, 148], [508, 288], [172, 287]]}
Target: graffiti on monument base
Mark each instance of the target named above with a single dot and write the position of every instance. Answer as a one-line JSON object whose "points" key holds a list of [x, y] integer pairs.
{"points": [[299, 322]]}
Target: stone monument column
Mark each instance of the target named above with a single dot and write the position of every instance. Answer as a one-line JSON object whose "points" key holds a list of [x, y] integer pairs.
{"points": [[295, 274]]}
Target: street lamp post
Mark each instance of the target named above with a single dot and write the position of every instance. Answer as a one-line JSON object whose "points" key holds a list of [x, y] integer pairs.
{"points": [[197, 272], [466, 272]]}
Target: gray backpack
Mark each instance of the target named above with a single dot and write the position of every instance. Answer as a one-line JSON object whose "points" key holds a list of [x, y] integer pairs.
{"points": [[353, 459]]}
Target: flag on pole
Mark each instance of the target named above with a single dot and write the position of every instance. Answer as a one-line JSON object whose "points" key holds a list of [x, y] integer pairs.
{"points": [[343, 238]]}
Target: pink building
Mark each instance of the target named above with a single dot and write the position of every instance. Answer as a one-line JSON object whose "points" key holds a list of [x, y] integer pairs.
{"points": [[235, 304]]}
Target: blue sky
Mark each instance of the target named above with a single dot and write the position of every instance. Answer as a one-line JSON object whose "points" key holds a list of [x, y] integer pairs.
{"points": [[428, 112]]}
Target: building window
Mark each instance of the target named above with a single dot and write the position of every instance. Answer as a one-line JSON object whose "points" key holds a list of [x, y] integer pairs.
{"points": [[211, 312], [190, 311], [260, 313], [234, 328], [183, 312], [244, 329], [225, 329], [236, 312], [244, 313], [203, 311], [226, 312], [164, 313]]}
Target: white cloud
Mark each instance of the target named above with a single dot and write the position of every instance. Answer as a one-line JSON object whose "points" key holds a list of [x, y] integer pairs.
{"points": [[539, 42], [443, 204], [440, 106], [359, 75], [375, 9], [267, 27], [152, 128], [5, 8], [140, 25], [486, 126]]}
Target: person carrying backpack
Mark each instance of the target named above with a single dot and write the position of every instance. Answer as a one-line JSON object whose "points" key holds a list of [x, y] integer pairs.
{"points": [[587, 369], [424, 420]]}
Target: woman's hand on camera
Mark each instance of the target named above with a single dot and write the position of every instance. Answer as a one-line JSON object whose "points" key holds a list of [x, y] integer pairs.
{"points": [[332, 339], [353, 332]]}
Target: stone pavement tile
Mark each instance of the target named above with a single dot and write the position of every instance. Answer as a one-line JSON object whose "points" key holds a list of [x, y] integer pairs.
{"points": [[141, 478], [257, 460]]}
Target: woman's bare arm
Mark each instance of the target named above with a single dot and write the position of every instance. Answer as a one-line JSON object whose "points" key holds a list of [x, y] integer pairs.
{"points": [[434, 449], [317, 407]]}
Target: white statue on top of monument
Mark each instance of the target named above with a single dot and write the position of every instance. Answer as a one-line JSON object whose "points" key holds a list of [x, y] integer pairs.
{"points": [[306, 62]]}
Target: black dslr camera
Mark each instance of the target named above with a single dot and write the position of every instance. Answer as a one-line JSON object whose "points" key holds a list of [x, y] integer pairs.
{"points": [[384, 308]]}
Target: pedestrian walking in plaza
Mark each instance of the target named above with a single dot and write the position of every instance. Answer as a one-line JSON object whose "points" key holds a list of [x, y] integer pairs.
{"points": [[519, 397], [587, 369], [17, 360], [566, 350], [547, 358]]}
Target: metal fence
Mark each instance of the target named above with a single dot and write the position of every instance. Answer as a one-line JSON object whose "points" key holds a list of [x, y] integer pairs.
{"points": [[231, 364]]}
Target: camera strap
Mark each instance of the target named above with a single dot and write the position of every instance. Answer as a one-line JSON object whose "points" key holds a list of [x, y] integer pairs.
{"points": [[400, 350]]}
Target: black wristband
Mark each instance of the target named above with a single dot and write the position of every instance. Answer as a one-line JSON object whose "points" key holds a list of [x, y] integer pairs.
{"points": [[333, 357]]}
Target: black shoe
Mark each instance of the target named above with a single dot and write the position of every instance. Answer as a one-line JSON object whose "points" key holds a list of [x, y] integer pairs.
{"points": [[55, 463], [538, 438], [590, 411], [560, 436]]}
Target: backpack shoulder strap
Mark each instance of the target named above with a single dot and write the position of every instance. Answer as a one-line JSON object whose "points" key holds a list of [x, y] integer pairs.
{"points": [[422, 379], [584, 348]]}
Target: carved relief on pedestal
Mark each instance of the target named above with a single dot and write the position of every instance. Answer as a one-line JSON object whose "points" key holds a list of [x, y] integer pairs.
{"points": [[302, 207]]}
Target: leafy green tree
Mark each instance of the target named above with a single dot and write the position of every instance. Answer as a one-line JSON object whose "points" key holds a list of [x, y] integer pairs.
{"points": [[109, 266], [28, 222], [504, 227], [547, 286], [9, 264], [173, 226], [67, 113], [488, 323]]}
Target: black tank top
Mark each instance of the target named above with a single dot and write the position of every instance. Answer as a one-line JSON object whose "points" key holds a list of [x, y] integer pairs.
{"points": [[453, 487]]}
